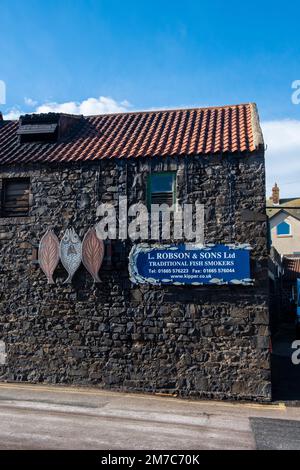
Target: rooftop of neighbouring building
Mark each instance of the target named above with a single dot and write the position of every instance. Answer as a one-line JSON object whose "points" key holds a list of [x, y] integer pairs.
{"points": [[275, 204], [181, 132]]}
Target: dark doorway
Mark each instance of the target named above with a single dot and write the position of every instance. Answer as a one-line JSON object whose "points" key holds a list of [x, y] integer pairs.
{"points": [[285, 374]]}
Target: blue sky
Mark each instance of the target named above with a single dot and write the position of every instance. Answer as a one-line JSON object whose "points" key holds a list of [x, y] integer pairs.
{"points": [[155, 54]]}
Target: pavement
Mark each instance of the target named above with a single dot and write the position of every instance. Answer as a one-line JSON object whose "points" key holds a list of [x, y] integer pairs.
{"points": [[60, 417]]}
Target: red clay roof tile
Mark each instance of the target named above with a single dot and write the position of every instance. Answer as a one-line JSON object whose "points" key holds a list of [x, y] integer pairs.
{"points": [[143, 134]]}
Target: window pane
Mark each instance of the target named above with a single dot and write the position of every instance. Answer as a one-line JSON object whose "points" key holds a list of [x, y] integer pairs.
{"points": [[283, 229], [162, 183]]}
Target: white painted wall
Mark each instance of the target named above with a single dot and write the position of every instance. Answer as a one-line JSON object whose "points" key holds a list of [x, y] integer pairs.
{"points": [[285, 244]]}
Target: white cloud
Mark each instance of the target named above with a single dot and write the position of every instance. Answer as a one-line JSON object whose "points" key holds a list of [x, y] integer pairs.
{"points": [[12, 114], [90, 106], [30, 102], [283, 156]]}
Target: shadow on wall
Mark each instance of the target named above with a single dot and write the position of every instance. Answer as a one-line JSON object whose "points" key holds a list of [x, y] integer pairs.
{"points": [[285, 374]]}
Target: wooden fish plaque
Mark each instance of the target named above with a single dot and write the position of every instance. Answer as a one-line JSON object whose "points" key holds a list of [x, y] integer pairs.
{"points": [[49, 254], [70, 253], [92, 253]]}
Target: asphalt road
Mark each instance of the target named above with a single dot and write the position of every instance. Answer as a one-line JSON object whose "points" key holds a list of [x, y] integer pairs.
{"points": [[54, 417]]}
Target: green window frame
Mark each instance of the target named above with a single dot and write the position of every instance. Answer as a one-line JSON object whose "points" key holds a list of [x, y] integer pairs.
{"points": [[161, 188]]}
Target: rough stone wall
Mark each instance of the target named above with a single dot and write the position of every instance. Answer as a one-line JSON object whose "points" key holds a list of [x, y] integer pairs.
{"points": [[194, 341]]}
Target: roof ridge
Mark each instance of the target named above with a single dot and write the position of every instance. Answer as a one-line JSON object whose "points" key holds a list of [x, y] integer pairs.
{"points": [[166, 110], [142, 111]]}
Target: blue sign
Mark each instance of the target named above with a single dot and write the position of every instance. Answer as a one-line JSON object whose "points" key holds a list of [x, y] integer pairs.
{"points": [[190, 264]]}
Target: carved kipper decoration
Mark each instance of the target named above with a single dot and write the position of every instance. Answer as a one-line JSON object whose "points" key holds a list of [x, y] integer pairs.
{"points": [[92, 253], [70, 253], [49, 254]]}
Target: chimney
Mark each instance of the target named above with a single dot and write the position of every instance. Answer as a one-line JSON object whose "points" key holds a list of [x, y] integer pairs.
{"points": [[275, 194]]}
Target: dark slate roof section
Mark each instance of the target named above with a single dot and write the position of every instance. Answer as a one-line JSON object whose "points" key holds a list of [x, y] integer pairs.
{"points": [[181, 132], [37, 129]]}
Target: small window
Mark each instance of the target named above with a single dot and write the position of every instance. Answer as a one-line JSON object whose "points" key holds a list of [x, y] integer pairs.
{"points": [[15, 197], [283, 229], [161, 188]]}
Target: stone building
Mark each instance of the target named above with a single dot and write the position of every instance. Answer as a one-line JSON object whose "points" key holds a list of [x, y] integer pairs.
{"points": [[199, 341]]}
